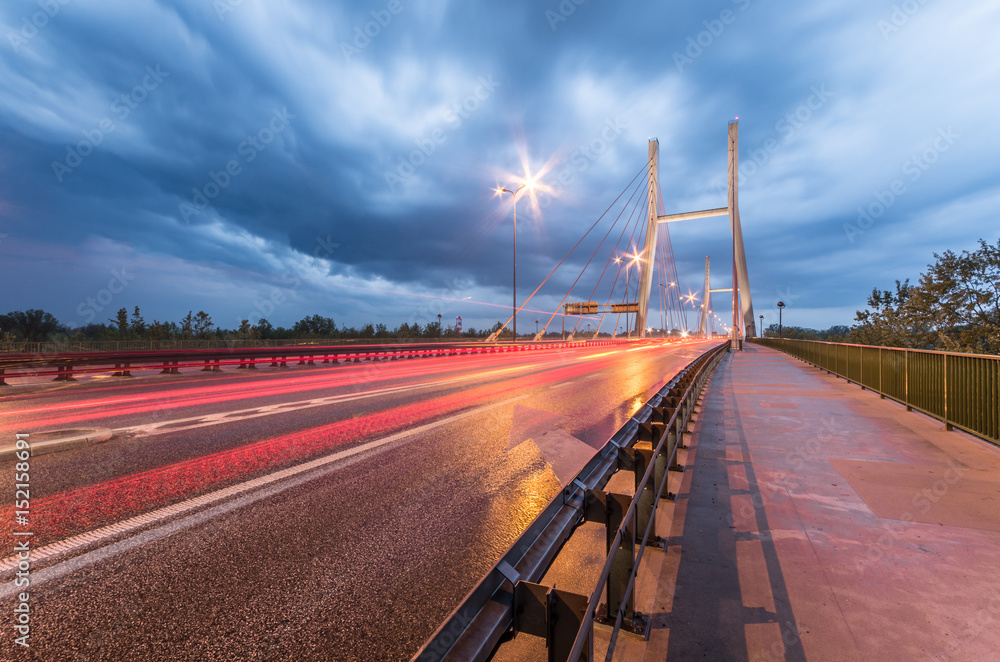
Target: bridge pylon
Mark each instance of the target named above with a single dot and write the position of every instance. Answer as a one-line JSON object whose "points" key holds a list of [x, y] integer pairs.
{"points": [[742, 304]]}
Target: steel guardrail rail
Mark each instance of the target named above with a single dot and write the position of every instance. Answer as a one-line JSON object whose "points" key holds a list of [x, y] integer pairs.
{"points": [[474, 628], [961, 390], [65, 365]]}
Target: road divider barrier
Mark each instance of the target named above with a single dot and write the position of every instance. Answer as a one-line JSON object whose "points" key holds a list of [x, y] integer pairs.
{"points": [[510, 599], [64, 366]]}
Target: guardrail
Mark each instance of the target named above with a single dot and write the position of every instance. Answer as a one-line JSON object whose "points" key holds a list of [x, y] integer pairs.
{"points": [[508, 599], [962, 390], [64, 366], [69, 345]]}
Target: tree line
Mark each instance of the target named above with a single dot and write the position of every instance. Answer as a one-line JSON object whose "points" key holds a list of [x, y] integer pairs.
{"points": [[37, 325]]}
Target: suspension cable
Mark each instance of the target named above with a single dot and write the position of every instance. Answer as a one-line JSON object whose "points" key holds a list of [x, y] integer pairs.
{"points": [[627, 187]]}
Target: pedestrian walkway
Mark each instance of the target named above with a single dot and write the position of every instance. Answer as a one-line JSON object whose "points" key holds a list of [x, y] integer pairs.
{"points": [[817, 521]]}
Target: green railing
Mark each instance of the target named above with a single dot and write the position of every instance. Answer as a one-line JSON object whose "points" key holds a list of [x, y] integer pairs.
{"points": [[962, 390]]}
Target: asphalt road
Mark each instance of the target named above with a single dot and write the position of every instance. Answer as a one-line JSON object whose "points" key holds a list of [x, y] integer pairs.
{"points": [[314, 513]]}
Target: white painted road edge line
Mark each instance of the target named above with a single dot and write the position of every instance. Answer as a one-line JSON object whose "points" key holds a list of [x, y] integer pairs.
{"points": [[69, 545]]}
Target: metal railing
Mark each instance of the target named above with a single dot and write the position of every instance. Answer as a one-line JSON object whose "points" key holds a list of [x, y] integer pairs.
{"points": [[71, 345], [962, 390], [63, 366], [507, 598]]}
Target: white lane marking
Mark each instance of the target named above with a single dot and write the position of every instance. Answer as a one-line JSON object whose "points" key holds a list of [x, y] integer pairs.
{"points": [[64, 547]]}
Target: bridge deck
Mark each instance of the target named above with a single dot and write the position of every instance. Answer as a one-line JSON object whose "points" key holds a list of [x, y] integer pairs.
{"points": [[819, 522]]}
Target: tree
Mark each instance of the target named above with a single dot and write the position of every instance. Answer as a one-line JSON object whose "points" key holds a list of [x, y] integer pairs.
{"points": [[187, 326], [30, 325], [121, 321], [202, 324], [315, 325], [264, 328], [159, 330], [889, 321], [246, 331], [137, 327], [432, 330], [404, 330], [959, 300], [955, 306]]}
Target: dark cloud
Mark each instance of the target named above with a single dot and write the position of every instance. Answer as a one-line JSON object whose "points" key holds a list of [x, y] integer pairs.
{"points": [[345, 153]]}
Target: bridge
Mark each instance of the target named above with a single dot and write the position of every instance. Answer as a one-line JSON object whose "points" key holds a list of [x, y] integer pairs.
{"points": [[653, 257], [583, 498]]}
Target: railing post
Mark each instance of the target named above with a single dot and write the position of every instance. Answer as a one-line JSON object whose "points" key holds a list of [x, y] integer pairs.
{"points": [[610, 509], [64, 373], [947, 421], [881, 387], [645, 505], [624, 558], [906, 379], [553, 614], [861, 367]]}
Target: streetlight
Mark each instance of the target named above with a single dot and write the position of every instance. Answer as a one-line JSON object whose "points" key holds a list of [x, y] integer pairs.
{"points": [[440, 330], [536, 327], [530, 184], [761, 326], [781, 304]]}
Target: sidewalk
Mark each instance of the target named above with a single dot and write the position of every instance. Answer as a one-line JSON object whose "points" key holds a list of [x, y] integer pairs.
{"points": [[817, 521]]}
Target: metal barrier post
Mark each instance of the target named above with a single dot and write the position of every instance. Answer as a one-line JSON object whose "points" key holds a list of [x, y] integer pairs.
{"points": [[553, 614], [609, 509]]}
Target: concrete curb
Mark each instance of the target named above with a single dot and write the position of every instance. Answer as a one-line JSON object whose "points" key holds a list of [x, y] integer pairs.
{"points": [[43, 443]]}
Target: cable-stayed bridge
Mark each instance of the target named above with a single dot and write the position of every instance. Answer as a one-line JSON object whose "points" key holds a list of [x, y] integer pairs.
{"points": [[624, 267]]}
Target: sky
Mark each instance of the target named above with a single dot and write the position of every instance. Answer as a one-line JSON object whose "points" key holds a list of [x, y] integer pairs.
{"points": [[283, 158]]}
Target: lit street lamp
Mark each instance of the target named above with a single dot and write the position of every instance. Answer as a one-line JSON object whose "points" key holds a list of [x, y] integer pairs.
{"points": [[781, 305], [530, 184]]}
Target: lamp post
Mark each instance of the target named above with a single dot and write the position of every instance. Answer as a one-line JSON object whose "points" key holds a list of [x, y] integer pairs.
{"points": [[781, 305], [761, 326], [440, 330], [500, 191], [536, 327]]}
